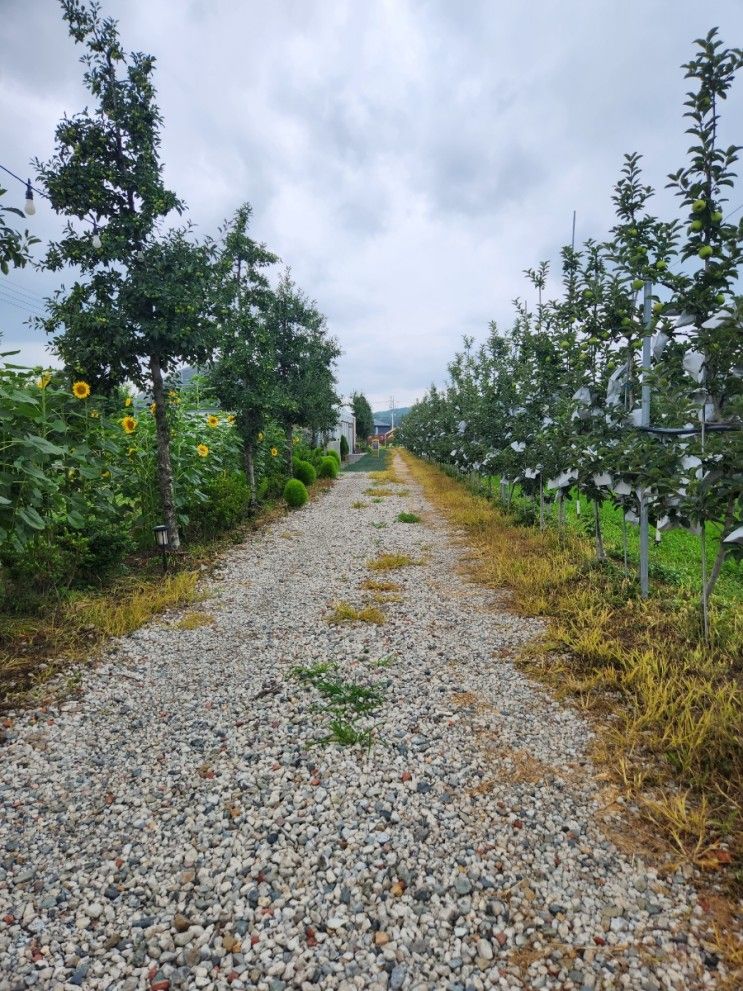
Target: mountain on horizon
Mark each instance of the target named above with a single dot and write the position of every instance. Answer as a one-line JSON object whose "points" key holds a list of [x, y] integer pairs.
{"points": [[385, 416]]}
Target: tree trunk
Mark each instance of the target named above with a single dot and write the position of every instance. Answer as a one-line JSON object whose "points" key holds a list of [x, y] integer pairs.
{"points": [[250, 472], [721, 551], [164, 467]]}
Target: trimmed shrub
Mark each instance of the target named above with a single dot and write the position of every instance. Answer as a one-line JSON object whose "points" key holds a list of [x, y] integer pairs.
{"points": [[334, 455], [328, 468], [304, 471], [295, 493], [344, 448]]}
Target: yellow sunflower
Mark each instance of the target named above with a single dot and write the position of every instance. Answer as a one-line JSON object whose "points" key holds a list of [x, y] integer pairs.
{"points": [[128, 401], [274, 452], [172, 394], [231, 418], [202, 450], [212, 420], [260, 436], [128, 424], [295, 440], [105, 474], [44, 381], [94, 414], [81, 390], [153, 407]]}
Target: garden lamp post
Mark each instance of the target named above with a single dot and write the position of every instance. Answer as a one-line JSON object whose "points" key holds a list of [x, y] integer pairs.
{"points": [[163, 542]]}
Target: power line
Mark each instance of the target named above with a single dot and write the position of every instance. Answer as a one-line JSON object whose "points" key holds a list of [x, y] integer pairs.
{"points": [[21, 306], [21, 291]]}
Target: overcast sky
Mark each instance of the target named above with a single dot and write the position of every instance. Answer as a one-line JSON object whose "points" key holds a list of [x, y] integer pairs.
{"points": [[408, 158]]}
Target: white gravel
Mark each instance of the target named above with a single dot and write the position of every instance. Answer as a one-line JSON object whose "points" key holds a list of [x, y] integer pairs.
{"points": [[173, 829]]}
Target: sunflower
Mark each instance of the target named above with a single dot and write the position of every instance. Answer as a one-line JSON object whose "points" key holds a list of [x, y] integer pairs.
{"points": [[295, 440], [260, 436], [212, 420], [80, 390], [130, 452], [172, 394], [94, 414], [153, 407], [128, 401], [105, 474], [202, 450], [44, 381], [274, 452], [231, 418], [128, 424]]}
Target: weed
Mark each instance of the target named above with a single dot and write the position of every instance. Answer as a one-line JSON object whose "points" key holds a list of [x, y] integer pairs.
{"points": [[345, 734], [379, 493], [390, 562], [193, 620], [376, 585], [379, 526], [344, 612], [408, 518], [345, 702], [359, 504]]}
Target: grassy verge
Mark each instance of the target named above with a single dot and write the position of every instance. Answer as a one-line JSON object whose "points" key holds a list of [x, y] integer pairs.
{"points": [[675, 736], [371, 461], [71, 628]]}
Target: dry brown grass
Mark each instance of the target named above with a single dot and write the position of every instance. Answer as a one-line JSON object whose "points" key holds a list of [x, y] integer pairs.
{"points": [[391, 562], [376, 585], [344, 612], [194, 620]]}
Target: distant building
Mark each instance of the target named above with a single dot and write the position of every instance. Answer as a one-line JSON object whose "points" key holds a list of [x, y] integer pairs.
{"points": [[345, 427]]}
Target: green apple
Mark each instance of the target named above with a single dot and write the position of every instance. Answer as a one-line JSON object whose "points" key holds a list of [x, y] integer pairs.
{"points": [[657, 307], [716, 217], [696, 225], [705, 251], [637, 283], [661, 265], [720, 298], [698, 205], [626, 322]]}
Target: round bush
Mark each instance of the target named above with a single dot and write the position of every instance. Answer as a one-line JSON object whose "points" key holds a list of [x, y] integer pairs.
{"points": [[334, 455], [295, 493], [328, 468], [304, 471]]}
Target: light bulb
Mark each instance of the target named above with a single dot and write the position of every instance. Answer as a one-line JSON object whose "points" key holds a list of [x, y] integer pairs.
{"points": [[97, 243], [30, 207]]}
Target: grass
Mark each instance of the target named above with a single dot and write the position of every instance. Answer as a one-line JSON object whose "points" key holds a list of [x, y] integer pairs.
{"points": [[675, 736], [390, 562], [195, 620], [371, 462], [344, 612], [376, 585], [379, 492], [35, 649], [408, 518], [359, 504]]}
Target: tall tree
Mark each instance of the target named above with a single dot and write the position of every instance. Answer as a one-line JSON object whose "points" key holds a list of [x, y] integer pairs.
{"points": [[363, 413], [138, 306], [242, 374]]}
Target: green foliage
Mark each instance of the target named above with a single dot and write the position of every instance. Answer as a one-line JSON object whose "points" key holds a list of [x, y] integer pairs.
{"points": [[295, 493], [344, 448], [331, 453], [409, 518], [305, 472], [554, 404], [328, 468], [226, 498], [364, 415], [14, 245]]}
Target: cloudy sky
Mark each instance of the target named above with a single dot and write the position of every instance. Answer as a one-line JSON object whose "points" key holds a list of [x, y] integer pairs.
{"points": [[408, 158]]}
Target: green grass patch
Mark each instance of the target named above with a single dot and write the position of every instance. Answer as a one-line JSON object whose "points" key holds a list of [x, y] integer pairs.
{"points": [[408, 518]]}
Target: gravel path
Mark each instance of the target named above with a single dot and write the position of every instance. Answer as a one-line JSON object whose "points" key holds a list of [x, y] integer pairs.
{"points": [[176, 828]]}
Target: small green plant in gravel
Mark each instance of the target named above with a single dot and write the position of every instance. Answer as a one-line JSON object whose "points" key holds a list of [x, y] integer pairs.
{"points": [[358, 504], [345, 702], [344, 612], [379, 526], [408, 518]]}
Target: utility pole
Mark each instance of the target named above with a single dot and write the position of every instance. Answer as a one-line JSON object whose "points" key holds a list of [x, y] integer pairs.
{"points": [[392, 412]]}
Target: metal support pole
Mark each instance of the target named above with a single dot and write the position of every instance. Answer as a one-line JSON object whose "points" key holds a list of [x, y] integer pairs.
{"points": [[645, 422]]}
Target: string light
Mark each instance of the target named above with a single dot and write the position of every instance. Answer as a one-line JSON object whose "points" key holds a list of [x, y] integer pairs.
{"points": [[30, 207]]}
